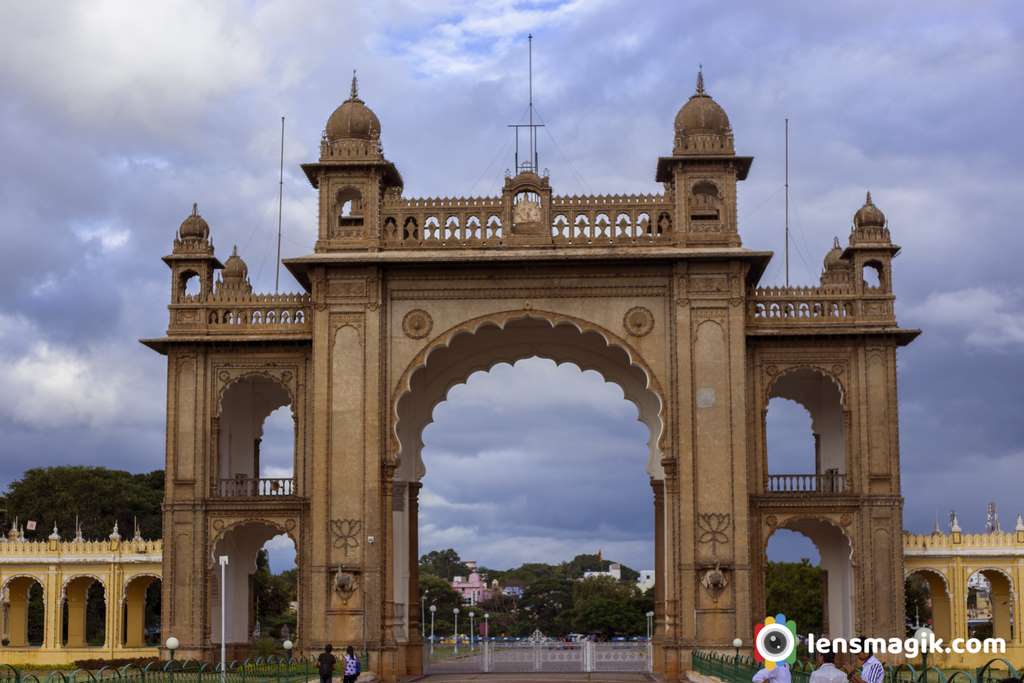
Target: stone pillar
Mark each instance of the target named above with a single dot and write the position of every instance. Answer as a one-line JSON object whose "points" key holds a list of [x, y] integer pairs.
{"points": [[999, 597], [17, 613], [414, 653], [941, 614], [658, 487], [77, 595], [135, 617]]}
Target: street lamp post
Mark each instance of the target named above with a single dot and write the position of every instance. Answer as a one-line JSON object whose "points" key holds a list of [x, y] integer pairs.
{"points": [[923, 636], [288, 645], [172, 645], [433, 610], [456, 613], [423, 622], [472, 634], [223, 616], [650, 624], [487, 627]]}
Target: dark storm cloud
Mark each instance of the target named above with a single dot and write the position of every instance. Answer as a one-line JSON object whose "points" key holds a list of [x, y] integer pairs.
{"points": [[116, 117]]}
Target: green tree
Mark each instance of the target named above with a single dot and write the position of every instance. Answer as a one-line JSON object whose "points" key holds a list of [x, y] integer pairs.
{"points": [[443, 563], [438, 592], [547, 605], [274, 594], [96, 496], [797, 590], [604, 606]]}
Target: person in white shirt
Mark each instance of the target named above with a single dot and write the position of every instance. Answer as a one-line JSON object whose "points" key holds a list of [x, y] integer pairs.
{"points": [[780, 674], [871, 670], [827, 671]]}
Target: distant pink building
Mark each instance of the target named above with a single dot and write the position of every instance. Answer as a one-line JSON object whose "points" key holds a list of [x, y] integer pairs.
{"points": [[474, 588]]}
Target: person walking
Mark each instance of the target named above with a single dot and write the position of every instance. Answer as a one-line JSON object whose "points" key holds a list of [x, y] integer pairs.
{"points": [[827, 671], [325, 663], [352, 666]]}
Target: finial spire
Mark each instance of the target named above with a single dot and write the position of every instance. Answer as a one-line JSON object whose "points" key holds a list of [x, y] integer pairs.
{"points": [[355, 86], [700, 79], [195, 208], [868, 200]]}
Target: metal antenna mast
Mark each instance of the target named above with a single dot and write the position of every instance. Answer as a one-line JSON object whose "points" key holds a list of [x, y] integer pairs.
{"points": [[787, 202], [533, 164], [280, 196]]}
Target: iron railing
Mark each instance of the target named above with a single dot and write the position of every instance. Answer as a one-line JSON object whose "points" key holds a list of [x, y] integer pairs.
{"points": [[741, 669], [829, 482], [258, 670], [243, 487]]}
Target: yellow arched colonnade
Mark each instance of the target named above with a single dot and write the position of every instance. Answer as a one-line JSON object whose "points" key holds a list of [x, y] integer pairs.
{"points": [[65, 570], [947, 561]]}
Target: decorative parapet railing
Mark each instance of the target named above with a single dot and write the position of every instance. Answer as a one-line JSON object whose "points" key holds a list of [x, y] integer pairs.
{"points": [[481, 222], [958, 542], [241, 313], [773, 306], [825, 484], [24, 550], [607, 220], [251, 487]]}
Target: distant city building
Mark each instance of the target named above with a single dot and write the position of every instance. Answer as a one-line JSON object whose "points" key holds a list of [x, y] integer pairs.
{"points": [[513, 591], [645, 581], [614, 571], [474, 588]]}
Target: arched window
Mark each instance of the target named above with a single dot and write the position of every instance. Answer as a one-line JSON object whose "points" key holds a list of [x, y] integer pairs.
{"points": [[257, 439], [189, 284], [872, 274], [805, 440], [349, 205]]}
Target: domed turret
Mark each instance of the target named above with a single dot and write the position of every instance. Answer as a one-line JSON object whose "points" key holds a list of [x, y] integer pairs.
{"points": [[353, 120], [235, 276], [834, 256], [869, 215], [235, 269], [702, 126], [194, 227]]}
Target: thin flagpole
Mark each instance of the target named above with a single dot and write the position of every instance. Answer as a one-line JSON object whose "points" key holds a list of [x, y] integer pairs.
{"points": [[787, 202], [280, 197]]}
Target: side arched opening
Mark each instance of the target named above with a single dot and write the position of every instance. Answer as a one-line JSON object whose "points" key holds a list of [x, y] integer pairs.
{"points": [[927, 603], [805, 455], [141, 612], [256, 439], [824, 590]]}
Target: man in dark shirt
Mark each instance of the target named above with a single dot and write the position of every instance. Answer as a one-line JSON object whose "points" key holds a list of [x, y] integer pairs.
{"points": [[326, 662]]}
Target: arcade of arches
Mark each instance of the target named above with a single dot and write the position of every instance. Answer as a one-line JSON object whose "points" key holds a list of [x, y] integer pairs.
{"points": [[403, 297], [65, 600]]}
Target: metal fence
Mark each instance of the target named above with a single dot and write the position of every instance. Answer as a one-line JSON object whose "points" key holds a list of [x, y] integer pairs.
{"points": [[550, 656], [258, 670], [733, 669]]}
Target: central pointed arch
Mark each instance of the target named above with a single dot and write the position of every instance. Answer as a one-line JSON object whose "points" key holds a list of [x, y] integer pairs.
{"points": [[481, 343]]}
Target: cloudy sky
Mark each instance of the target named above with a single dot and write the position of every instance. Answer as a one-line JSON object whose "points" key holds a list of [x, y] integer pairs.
{"points": [[115, 117]]}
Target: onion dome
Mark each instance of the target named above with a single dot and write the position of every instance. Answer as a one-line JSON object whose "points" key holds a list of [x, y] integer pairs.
{"points": [[834, 255], [701, 125], [235, 268], [869, 215], [353, 120], [194, 227]]}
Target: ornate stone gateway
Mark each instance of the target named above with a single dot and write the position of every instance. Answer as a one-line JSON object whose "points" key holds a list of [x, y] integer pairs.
{"points": [[405, 297]]}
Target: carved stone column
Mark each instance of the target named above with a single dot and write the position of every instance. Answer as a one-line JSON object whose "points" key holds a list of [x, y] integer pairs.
{"points": [[658, 487], [414, 565]]}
